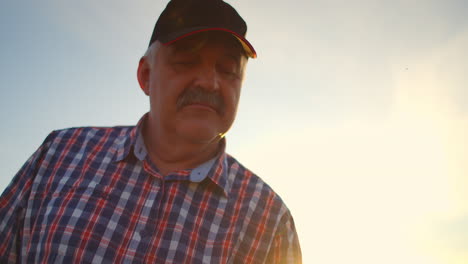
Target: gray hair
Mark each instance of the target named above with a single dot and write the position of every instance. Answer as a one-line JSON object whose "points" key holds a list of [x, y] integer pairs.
{"points": [[151, 52]]}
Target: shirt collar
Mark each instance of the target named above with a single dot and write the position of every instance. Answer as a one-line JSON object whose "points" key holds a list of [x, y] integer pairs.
{"points": [[219, 170], [127, 140], [131, 142]]}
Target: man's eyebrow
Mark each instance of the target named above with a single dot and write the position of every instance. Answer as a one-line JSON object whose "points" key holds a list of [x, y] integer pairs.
{"points": [[233, 57], [236, 53]]}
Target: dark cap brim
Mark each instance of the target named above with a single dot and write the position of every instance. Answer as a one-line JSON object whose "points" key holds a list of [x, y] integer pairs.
{"points": [[248, 48]]}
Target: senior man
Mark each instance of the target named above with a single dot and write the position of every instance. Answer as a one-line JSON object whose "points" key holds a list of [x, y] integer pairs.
{"points": [[163, 191]]}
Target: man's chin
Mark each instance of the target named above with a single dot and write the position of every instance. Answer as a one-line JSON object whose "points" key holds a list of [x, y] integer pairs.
{"points": [[198, 132]]}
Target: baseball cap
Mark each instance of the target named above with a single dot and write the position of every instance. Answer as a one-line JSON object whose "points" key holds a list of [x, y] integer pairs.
{"points": [[182, 18]]}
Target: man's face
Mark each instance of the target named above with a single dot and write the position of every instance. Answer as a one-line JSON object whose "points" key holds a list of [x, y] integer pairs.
{"points": [[194, 86]]}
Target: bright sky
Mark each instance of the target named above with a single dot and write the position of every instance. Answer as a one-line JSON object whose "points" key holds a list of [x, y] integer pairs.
{"points": [[355, 112]]}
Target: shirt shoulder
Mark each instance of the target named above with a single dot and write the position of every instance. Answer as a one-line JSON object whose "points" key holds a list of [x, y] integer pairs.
{"points": [[69, 146], [91, 132], [251, 188], [268, 228], [79, 136]]}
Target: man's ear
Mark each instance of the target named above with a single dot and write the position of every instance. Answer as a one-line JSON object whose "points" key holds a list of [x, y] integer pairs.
{"points": [[143, 74]]}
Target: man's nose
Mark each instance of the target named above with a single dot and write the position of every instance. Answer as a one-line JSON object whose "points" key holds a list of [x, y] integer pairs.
{"points": [[207, 78]]}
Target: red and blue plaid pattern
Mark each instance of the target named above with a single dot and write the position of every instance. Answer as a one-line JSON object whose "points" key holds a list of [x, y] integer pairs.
{"points": [[85, 196]]}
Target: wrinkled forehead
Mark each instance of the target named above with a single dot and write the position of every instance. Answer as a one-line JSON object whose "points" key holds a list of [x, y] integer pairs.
{"points": [[198, 41]]}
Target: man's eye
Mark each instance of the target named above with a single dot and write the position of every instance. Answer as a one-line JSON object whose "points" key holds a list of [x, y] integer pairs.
{"points": [[228, 71], [185, 62], [225, 68], [183, 65]]}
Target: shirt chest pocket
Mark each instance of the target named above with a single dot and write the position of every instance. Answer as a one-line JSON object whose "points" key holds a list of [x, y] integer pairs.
{"points": [[63, 195], [70, 207]]}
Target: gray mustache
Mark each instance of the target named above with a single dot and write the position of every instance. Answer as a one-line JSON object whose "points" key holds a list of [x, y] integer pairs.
{"points": [[199, 95]]}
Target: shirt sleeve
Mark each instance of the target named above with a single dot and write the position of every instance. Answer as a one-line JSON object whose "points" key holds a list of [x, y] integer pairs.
{"points": [[13, 203], [285, 248]]}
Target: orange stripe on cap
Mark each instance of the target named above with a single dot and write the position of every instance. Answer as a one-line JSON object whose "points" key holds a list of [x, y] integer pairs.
{"points": [[249, 49]]}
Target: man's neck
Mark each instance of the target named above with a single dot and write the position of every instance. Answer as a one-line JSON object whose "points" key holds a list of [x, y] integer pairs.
{"points": [[170, 154]]}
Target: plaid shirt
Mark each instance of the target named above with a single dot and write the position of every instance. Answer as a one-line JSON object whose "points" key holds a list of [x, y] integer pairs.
{"points": [[92, 195]]}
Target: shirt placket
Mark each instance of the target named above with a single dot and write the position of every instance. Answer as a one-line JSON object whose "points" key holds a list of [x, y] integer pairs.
{"points": [[148, 230]]}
